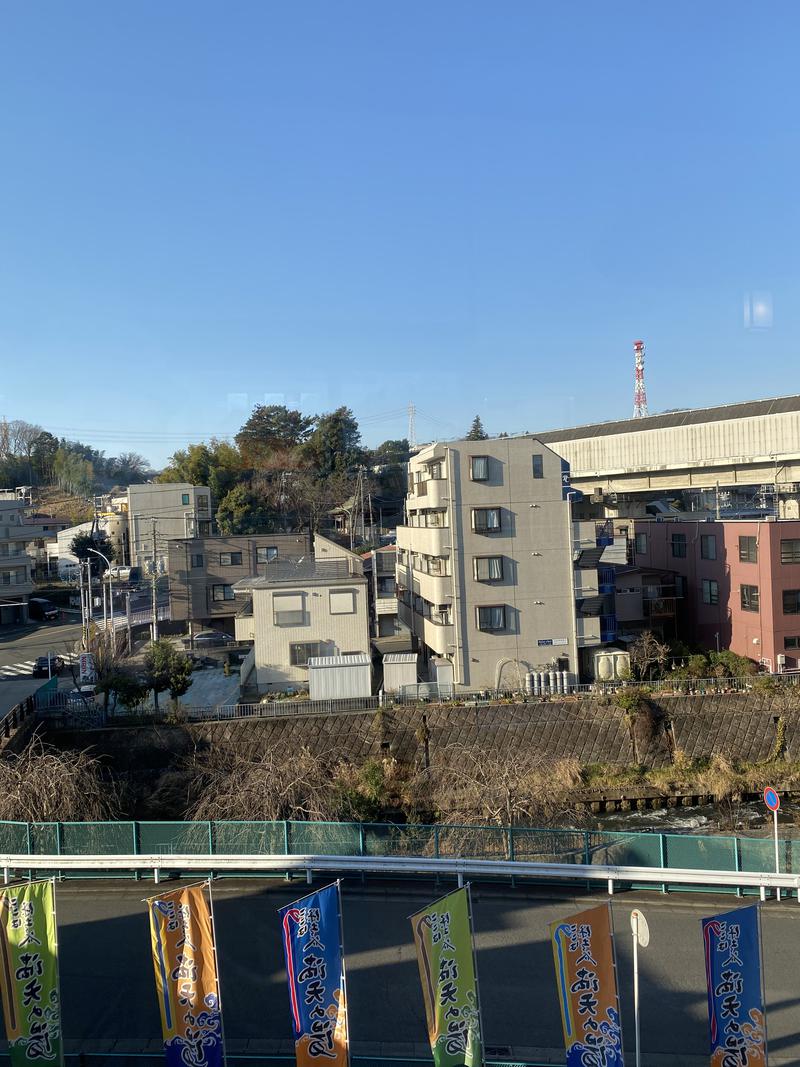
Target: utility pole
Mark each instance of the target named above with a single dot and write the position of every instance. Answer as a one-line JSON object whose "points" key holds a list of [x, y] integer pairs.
{"points": [[83, 605], [154, 590]]}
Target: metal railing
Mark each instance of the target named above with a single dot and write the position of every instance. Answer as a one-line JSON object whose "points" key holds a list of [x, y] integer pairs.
{"points": [[612, 876], [270, 709], [102, 848]]}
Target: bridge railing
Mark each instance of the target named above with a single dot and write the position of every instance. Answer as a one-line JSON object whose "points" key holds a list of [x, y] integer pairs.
{"points": [[612, 876], [665, 852]]}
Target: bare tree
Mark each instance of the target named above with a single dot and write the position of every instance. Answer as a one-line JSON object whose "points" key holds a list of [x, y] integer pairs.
{"points": [[647, 654], [270, 786], [45, 785], [505, 789]]}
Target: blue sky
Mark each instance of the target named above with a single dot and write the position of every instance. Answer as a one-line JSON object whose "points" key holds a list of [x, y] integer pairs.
{"points": [[477, 207]]}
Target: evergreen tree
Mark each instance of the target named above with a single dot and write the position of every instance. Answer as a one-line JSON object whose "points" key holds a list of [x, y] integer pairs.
{"points": [[476, 430]]}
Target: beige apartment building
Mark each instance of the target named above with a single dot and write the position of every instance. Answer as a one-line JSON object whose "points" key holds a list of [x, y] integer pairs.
{"points": [[494, 578]]}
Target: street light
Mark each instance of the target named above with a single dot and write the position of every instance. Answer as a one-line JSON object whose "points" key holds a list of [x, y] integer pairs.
{"points": [[110, 585]]}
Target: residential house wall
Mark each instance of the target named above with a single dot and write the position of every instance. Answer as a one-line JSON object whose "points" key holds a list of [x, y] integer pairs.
{"points": [[311, 609], [742, 580], [204, 570], [16, 584]]}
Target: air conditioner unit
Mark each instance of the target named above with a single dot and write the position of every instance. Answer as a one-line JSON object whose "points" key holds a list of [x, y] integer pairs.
{"points": [[780, 659]]}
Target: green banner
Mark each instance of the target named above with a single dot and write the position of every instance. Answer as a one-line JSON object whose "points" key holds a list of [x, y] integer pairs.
{"points": [[29, 973], [443, 939]]}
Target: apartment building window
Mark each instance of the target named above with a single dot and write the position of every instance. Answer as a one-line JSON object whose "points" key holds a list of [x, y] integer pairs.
{"points": [[710, 591], [488, 568], [222, 592], [204, 528], [486, 520], [342, 602], [288, 609], [266, 554], [202, 503], [708, 547], [791, 642], [749, 594], [301, 652], [791, 602], [479, 468], [491, 618], [230, 559], [435, 471], [790, 550], [538, 466], [748, 550], [196, 560], [679, 546], [185, 499], [641, 544]]}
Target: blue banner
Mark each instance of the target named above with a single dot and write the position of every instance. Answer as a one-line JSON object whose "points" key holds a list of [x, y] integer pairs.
{"points": [[315, 968], [736, 1018]]}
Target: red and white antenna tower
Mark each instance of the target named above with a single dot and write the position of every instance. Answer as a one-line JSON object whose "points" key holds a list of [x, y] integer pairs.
{"points": [[639, 391]]}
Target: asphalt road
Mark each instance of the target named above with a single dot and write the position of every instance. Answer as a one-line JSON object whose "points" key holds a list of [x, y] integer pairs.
{"points": [[21, 643], [108, 991]]}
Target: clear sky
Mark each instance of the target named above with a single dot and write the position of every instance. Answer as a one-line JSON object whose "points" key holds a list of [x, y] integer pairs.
{"points": [[477, 207]]}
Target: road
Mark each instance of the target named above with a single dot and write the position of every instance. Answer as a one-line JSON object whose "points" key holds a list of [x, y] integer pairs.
{"points": [[108, 992], [22, 643]]}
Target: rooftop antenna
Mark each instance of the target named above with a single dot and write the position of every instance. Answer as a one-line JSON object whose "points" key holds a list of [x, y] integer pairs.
{"points": [[412, 425], [639, 391]]}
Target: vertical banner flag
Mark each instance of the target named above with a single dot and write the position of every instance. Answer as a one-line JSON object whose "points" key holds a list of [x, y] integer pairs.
{"points": [[583, 952], [736, 1020], [185, 961], [443, 939], [29, 973], [312, 941]]}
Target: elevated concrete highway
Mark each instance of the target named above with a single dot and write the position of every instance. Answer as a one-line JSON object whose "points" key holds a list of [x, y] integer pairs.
{"points": [[752, 443], [109, 1003]]}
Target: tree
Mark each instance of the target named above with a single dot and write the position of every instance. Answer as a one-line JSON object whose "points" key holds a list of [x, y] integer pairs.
{"points": [[83, 543], [476, 430], [272, 429], [647, 654], [128, 468], [313, 498], [391, 452], [44, 453], [335, 445], [166, 668], [216, 464], [241, 511]]}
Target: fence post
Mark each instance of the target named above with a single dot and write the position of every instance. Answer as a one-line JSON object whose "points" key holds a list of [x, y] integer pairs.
{"points": [[662, 851], [135, 836], [210, 838], [436, 842], [361, 840], [587, 855], [737, 859]]}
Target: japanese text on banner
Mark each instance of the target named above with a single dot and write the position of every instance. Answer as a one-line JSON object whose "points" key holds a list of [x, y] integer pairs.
{"points": [[583, 952], [736, 1019], [29, 974], [315, 971], [443, 939], [184, 958]]}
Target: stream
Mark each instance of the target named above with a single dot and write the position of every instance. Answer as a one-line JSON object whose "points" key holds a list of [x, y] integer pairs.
{"points": [[750, 818]]}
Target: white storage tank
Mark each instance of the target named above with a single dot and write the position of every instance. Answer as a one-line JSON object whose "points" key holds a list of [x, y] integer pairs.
{"points": [[399, 669], [611, 664], [339, 677]]}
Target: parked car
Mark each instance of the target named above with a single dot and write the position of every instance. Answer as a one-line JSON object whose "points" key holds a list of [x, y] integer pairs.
{"points": [[39, 608], [40, 666], [209, 639]]}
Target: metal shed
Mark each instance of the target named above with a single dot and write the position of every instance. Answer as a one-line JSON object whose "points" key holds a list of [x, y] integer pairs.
{"points": [[339, 677], [399, 669]]}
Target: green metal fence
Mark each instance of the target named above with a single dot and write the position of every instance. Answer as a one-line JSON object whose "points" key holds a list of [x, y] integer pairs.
{"points": [[692, 851]]}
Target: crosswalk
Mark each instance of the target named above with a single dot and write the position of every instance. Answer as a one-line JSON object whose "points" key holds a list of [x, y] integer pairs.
{"points": [[25, 668]]}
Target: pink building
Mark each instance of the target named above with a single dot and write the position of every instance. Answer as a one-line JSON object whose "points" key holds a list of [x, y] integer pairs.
{"points": [[739, 580]]}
